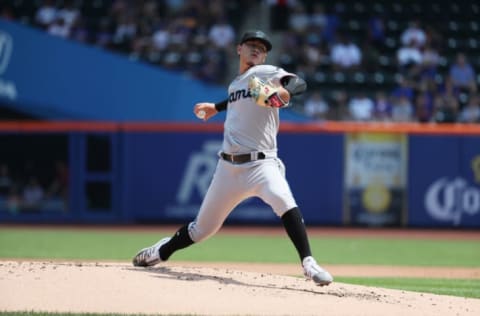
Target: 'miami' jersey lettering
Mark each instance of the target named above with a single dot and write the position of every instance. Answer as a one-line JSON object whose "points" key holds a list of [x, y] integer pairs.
{"points": [[249, 127], [236, 95]]}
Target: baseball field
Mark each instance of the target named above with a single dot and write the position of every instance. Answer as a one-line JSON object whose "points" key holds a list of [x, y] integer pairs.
{"points": [[47, 270]]}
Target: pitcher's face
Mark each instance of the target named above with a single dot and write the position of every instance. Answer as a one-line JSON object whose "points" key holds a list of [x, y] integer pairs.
{"points": [[252, 52]]}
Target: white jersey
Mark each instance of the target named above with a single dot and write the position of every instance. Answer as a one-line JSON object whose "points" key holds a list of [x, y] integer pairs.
{"points": [[249, 127]]}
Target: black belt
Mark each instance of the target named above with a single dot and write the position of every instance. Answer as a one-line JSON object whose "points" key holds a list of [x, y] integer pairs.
{"points": [[243, 158]]}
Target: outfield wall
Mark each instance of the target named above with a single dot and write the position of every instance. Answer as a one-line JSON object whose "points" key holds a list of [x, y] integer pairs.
{"points": [[341, 173]]}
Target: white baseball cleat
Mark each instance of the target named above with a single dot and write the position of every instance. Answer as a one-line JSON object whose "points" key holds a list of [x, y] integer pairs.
{"points": [[149, 256], [313, 271]]}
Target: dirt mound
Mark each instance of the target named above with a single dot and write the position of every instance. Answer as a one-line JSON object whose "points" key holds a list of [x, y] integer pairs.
{"points": [[176, 289]]}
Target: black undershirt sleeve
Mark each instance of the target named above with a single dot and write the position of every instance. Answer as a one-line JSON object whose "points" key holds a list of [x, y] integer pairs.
{"points": [[221, 106], [294, 85]]}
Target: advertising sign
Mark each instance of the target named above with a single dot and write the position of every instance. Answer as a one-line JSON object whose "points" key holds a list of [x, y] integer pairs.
{"points": [[167, 175], [375, 179], [445, 182], [169, 182], [8, 88]]}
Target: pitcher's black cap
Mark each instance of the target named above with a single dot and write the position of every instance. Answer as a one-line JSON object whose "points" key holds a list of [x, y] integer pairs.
{"points": [[257, 35]]}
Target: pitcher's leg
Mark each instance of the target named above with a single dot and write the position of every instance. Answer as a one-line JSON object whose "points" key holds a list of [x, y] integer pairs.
{"points": [[181, 239], [296, 230], [222, 196], [272, 187], [275, 191], [219, 201], [294, 225]]}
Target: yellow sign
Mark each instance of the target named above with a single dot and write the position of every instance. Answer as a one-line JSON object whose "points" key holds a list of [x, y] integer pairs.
{"points": [[476, 168], [376, 198], [375, 178]]}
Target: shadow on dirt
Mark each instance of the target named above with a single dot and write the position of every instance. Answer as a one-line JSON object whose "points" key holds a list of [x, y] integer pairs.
{"points": [[262, 281]]}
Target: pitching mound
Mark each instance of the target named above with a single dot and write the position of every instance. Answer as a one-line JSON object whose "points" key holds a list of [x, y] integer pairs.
{"points": [[175, 289]]}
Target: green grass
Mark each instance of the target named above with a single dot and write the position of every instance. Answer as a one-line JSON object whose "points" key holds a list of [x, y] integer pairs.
{"points": [[456, 287], [78, 244], [399, 252], [118, 245]]}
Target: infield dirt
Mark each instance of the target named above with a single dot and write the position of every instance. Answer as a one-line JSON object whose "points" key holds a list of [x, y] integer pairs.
{"points": [[200, 289]]}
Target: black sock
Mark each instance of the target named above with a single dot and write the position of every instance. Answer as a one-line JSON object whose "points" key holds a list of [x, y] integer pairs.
{"points": [[295, 227], [180, 240]]}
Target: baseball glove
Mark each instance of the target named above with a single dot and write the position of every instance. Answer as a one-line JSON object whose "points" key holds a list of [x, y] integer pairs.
{"points": [[266, 94]]}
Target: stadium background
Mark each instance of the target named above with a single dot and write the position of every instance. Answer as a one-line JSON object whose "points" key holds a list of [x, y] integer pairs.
{"points": [[97, 127]]}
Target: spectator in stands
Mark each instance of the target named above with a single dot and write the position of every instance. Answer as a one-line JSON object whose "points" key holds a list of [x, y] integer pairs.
{"points": [[383, 107], [471, 111], [172, 59], [139, 50], [180, 32], [318, 18], [331, 28], [339, 106], [445, 109], [312, 56], [28, 171], [46, 14], [68, 13], [59, 28], [446, 88], [376, 32], [103, 36], [289, 56], [144, 30], [161, 36], [316, 106], [402, 109], [59, 185], [429, 63], [79, 31], [194, 60], [361, 107], [125, 31], [32, 195], [14, 200], [423, 107], [413, 33], [345, 54], [404, 88], [222, 34], [462, 74], [299, 19], [409, 59], [6, 181]]}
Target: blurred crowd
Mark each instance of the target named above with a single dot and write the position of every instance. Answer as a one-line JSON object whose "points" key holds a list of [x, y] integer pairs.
{"points": [[192, 36], [427, 83], [33, 188], [370, 69]]}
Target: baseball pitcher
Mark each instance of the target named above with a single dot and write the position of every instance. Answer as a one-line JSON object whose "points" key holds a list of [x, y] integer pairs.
{"points": [[248, 164]]}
